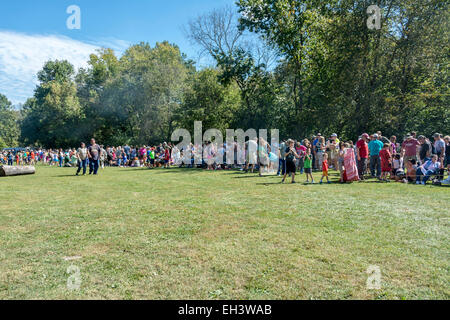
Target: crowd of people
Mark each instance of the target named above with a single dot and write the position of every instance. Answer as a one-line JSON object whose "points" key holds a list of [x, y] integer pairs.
{"points": [[415, 160]]}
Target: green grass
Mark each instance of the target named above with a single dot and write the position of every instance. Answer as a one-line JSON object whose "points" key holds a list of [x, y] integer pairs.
{"points": [[189, 234]]}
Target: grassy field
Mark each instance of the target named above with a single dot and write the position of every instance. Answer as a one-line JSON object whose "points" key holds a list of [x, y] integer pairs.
{"points": [[189, 234]]}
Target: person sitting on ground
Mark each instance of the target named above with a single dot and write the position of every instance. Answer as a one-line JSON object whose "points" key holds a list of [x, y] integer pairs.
{"points": [[425, 171], [411, 170], [397, 165]]}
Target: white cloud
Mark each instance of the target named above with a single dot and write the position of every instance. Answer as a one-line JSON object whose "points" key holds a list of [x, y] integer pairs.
{"points": [[23, 55]]}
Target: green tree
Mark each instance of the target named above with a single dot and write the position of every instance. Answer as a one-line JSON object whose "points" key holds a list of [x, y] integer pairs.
{"points": [[53, 116], [206, 99], [141, 101], [9, 130], [2, 144]]}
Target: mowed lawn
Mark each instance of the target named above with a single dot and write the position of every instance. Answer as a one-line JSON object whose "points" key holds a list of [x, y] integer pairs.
{"points": [[192, 234]]}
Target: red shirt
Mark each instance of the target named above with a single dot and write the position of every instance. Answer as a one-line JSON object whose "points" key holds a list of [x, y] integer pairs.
{"points": [[363, 149], [410, 147], [385, 157], [325, 166], [167, 155]]}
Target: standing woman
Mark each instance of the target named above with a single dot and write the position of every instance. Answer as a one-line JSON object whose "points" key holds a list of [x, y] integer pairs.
{"points": [[351, 170], [290, 155], [342, 149]]}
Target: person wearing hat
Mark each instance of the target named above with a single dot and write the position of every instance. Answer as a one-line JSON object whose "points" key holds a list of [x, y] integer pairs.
{"points": [[409, 148], [375, 147], [362, 154], [335, 138]]}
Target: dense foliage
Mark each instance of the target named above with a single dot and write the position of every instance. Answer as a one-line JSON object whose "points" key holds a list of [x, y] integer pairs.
{"points": [[9, 130]]}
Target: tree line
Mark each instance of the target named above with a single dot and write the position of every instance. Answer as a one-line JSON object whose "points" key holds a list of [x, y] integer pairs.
{"points": [[297, 66]]}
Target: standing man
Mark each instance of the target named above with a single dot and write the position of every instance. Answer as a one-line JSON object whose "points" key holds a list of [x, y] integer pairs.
{"points": [[82, 154], [94, 156], [362, 154], [439, 147], [375, 147], [409, 148], [425, 149], [10, 159]]}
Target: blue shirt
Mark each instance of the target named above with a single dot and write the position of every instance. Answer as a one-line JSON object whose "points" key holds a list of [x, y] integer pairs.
{"points": [[375, 147]]}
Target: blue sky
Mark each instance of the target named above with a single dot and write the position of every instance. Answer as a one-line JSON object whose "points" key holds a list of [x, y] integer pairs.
{"points": [[32, 32]]}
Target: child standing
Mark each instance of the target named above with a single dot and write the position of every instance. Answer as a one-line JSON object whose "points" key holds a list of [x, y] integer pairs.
{"points": [[397, 166], [325, 168], [385, 157], [166, 158], [152, 157], [308, 166]]}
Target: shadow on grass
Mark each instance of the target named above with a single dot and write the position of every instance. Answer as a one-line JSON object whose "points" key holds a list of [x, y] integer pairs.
{"points": [[67, 175], [176, 170], [250, 177]]}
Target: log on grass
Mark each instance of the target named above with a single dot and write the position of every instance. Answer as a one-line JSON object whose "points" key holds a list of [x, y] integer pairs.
{"points": [[7, 171]]}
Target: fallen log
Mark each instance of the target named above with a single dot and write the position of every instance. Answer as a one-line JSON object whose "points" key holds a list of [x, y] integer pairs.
{"points": [[7, 171]]}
